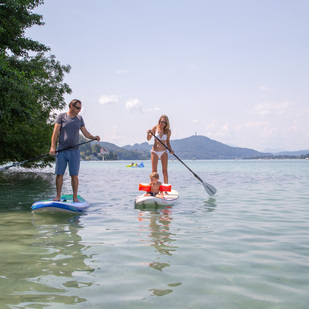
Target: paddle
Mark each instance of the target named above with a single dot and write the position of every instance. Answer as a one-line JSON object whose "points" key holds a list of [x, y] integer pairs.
{"points": [[209, 188], [42, 156]]}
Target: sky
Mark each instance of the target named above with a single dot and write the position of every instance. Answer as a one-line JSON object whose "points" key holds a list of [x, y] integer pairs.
{"points": [[236, 71]]}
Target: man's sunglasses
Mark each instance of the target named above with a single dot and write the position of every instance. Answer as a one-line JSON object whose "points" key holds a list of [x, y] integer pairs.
{"points": [[78, 108]]}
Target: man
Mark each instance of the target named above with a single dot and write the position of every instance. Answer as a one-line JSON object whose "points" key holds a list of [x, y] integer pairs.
{"points": [[67, 127]]}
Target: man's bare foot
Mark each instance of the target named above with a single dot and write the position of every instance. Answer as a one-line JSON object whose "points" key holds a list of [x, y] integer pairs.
{"points": [[56, 199]]}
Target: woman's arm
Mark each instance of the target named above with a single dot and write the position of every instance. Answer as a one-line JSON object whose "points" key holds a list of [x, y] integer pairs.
{"points": [[149, 135]]}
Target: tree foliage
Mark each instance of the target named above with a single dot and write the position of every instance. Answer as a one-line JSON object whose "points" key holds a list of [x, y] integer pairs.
{"points": [[31, 84]]}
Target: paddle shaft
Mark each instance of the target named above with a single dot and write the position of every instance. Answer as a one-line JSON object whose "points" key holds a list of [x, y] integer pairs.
{"points": [[45, 155], [196, 176]]}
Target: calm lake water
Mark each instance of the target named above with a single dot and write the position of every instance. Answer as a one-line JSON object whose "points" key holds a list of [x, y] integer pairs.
{"points": [[246, 247]]}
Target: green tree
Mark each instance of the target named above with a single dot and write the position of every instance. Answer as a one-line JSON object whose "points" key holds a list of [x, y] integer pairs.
{"points": [[31, 85], [85, 150], [96, 149]]}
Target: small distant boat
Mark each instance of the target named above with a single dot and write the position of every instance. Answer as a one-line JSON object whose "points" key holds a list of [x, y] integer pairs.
{"points": [[136, 165]]}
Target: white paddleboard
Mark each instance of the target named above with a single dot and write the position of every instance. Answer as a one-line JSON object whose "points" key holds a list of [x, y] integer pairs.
{"points": [[144, 202], [65, 205]]}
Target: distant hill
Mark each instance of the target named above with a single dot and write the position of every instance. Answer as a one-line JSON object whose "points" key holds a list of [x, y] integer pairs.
{"points": [[196, 147], [292, 153], [201, 148], [124, 153], [139, 147]]}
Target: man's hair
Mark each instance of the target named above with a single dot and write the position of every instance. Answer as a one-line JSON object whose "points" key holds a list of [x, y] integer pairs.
{"points": [[74, 102]]}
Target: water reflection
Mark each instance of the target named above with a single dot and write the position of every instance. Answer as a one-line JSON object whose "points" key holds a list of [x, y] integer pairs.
{"points": [[158, 223], [210, 204], [163, 292], [21, 188], [151, 207], [42, 261]]}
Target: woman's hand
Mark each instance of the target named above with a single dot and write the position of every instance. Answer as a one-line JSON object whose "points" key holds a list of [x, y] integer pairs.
{"points": [[149, 135]]}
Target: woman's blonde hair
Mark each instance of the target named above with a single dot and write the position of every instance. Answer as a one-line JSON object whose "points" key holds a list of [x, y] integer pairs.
{"points": [[167, 126]]}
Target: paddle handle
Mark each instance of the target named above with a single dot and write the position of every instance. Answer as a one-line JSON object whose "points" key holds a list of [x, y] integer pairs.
{"points": [[45, 155], [176, 157], [196, 176], [70, 147]]}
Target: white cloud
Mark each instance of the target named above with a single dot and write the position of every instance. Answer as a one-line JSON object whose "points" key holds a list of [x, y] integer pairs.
{"points": [[134, 105], [218, 132], [247, 134], [211, 126], [271, 109], [253, 125], [225, 130], [109, 99]]}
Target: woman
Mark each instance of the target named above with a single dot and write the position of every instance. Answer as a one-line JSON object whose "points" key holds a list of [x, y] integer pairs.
{"points": [[163, 133]]}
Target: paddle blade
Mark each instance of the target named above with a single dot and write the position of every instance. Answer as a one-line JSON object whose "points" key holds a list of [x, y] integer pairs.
{"points": [[209, 188]]}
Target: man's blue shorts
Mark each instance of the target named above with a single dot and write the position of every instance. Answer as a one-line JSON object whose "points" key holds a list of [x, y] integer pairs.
{"points": [[63, 158]]}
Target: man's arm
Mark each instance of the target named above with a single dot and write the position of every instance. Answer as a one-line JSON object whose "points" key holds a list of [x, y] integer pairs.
{"points": [[88, 135], [54, 138]]}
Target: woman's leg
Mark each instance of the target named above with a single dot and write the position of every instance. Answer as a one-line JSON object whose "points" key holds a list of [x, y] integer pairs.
{"points": [[164, 161], [154, 162]]}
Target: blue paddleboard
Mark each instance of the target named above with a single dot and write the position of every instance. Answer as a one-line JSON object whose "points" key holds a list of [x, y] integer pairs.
{"points": [[65, 205]]}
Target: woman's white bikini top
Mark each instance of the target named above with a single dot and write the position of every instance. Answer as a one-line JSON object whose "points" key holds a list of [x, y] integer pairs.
{"points": [[163, 138]]}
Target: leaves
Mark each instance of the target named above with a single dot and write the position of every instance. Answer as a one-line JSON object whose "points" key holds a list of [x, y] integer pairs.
{"points": [[15, 17], [31, 87]]}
